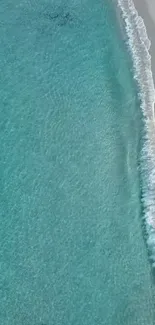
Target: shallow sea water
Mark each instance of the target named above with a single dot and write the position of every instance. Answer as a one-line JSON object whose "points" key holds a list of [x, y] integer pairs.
{"points": [[71, 241]]}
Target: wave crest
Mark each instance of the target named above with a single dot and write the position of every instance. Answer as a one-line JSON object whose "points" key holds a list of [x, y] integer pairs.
{"points": [[139, 45]]}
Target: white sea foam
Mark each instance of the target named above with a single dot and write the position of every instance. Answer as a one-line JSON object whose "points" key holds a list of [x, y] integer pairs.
{"points": [[139, 45]]}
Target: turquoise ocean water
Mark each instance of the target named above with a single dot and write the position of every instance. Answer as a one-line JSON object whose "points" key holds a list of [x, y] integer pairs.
{"points": [[72, 247]]}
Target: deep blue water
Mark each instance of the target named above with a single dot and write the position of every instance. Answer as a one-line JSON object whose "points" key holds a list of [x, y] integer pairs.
{"points": [[71, 243]]}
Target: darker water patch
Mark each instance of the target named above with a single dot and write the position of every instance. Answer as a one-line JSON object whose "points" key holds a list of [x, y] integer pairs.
{"points": [[61, 18]]}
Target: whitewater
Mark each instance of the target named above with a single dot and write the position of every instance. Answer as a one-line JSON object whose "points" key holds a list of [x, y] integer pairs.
{"points": [[139, 45]]}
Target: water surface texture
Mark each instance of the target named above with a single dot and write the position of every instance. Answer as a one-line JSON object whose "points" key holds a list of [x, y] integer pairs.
{"points": [[71, 243]]}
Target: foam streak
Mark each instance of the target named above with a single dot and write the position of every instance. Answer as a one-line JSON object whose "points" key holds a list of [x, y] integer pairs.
{"points": [[139, 45]]}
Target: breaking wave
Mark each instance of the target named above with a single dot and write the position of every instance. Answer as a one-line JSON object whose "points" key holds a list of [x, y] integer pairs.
{"points": [[139, 45]]}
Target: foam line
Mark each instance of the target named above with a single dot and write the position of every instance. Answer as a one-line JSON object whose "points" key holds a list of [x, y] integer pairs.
{"points": [[139, 45]]}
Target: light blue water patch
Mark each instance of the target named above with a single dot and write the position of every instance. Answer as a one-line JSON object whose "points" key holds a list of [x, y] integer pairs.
{"points": [[71, 244]]}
